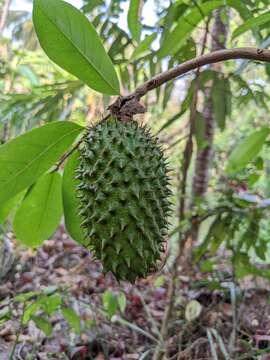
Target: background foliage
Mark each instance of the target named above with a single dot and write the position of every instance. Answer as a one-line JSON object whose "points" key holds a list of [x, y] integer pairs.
{"points": [[44, 109]]}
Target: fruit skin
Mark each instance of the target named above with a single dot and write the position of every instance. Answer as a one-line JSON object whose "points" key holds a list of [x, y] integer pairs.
{"points": [[123, 191]]}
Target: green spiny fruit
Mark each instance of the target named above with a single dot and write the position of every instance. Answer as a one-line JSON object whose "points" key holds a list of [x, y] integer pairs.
{"points": [[123, 195]]}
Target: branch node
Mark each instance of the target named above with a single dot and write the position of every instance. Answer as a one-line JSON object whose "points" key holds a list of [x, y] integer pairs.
{"points": [[124, 108]]}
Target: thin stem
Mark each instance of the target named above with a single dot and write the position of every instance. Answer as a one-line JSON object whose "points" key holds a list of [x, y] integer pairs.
{"points": [[67, 154]]}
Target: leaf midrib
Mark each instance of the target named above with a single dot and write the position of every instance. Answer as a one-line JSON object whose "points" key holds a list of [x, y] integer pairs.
{"points": [[78, 49]]}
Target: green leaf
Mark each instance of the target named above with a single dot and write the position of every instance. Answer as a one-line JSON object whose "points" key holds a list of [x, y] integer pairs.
{"points": [[22, 298], [70, 200], [251, 23], [43, 325], [186, 24], [134, 23], [261, 250], [227, 97], [71, 41], [204, 77], [241, 7], [247, 150], [50, 303], [110, 303], [24, 159], [184, 107], [174, 40], [219, 103], [160, 281], [207, 266], [252, 179], [40, 213], [144, 47], [218, 234], [6, 207], [91, 5], [49, 290], [173, 13], [259, 163], [72, 318], [27, 72], [199, 128], [213, 231], [170, 121], [122, 302], [168, 89], [29, 312]]}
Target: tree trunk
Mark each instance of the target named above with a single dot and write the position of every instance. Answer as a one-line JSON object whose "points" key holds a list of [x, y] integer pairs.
{"points": [[203, 158]]}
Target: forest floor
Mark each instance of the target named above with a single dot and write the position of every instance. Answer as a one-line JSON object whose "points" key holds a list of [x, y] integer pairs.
{"points": [[213, 318]]}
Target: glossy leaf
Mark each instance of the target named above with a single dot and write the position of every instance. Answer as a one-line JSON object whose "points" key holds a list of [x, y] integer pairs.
{"points": [[71, 41], [134, 23], [247, 150], [40, 213], [70, 201], [251, 24], [24, 159]]}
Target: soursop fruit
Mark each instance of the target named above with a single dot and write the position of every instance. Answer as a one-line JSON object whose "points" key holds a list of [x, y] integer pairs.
{"points": [[123, 191]]}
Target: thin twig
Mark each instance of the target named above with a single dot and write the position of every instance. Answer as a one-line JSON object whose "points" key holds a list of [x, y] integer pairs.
{"points": [[67, 154]]}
